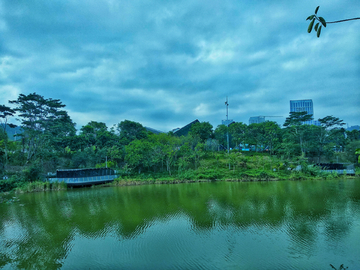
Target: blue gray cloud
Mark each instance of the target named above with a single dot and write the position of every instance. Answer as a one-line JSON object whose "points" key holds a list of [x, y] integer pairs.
{"points": [[166, 63]]}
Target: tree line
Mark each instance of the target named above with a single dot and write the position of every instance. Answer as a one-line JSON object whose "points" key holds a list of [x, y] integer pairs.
{"points": [[49, 140]]}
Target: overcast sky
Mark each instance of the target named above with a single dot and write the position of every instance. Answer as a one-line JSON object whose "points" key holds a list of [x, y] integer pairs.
{"points": [[167, 63]]}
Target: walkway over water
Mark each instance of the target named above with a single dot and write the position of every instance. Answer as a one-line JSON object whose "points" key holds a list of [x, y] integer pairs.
{"points": [[77, 177], [346, 172], [338, 168]]}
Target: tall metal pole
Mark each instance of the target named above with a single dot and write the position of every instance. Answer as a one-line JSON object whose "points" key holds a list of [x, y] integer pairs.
{"points": [[227, 128], [227, 124]]}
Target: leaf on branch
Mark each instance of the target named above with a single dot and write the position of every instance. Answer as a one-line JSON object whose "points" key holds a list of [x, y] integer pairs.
{"points": [[316, 26], [318, 31], [322, 20], [310, 17], [311, 25], [316, 10]]}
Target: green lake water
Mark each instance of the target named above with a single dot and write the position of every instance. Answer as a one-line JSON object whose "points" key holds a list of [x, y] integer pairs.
{"points": [[215, 225]]}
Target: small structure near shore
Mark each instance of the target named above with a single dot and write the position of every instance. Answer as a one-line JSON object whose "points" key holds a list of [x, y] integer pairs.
{"points": [[338, 168], [84, 177]]}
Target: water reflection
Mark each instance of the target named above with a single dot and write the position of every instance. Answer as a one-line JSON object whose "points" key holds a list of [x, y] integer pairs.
{"points": [[283, 225]]}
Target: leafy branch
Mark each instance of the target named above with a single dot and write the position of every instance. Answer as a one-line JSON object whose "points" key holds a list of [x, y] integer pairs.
{"points": [[321, 22], [340, 268], [357, 152]]}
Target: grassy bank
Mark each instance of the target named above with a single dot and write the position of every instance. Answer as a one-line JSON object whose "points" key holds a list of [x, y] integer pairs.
{"points": [[212, 167], [207, 176], [39, 186], [10, 185]]}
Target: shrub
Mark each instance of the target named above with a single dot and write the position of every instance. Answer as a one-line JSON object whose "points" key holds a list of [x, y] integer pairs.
{"points": [[311, 170], [31, 174], [264, 175], [332, 175], [187, 175], [210, 174], [8, 184]]}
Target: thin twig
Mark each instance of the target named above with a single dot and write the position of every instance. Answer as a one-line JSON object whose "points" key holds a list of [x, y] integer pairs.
{"points": [[358, 18]]}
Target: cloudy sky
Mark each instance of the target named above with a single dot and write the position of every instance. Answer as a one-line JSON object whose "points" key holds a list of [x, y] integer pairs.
{"points": [[165, 63]]}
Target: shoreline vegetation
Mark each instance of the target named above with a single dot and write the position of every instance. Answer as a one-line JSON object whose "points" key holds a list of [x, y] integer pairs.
{"points": [[47, 140], [40, 186], [256, 167]]}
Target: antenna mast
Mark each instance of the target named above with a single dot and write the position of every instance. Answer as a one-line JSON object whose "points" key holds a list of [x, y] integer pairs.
{"points": [[227, 125], [227, 109]]}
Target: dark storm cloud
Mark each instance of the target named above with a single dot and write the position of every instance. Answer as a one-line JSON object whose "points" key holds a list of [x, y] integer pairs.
{"points": [[166, 63]]}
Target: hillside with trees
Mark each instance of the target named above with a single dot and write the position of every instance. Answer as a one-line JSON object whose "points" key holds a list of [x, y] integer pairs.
{"points": [[48, 141]]}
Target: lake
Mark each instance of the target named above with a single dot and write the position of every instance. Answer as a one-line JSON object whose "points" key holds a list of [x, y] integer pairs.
{"points": [[213, 225]]}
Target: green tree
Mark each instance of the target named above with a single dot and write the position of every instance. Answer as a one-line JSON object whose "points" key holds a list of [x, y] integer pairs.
{"points": [[351, 151], [61, 129], [116, 154], [197, 153], [89, 157], [130, 131], [184, 160], [202, 130], [357, 152], [324, 134], [255, 135], [96, 133], [238, 133], [93, 129], [138, 155], [288, 148], [295, 125], [220, 134], [40, 119], [165, 149], [353, 135], [330, 121], [5, 114], [314, 141], [338, 138], [272, 132]]}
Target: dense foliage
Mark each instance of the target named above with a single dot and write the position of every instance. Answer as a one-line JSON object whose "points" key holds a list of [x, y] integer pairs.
{"points": [[49, 140]]}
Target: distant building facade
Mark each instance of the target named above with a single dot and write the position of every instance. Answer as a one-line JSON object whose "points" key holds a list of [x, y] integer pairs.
{"points": [[304, 105], [227, 122], [256, 119], [185, 129]]}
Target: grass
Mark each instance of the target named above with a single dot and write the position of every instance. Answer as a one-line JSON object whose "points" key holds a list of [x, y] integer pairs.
{"points": [[39, 186]]}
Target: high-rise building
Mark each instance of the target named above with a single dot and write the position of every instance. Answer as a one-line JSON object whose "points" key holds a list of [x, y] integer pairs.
{"points": [[305, 105]]}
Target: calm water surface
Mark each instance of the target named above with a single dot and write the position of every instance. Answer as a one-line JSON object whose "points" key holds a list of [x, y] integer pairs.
{"points": [[270, 225]]}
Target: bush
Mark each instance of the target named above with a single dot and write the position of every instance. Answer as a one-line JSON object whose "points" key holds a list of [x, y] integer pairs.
{"points": [[264, 175], [187, 175], [331, 175], [210, 174], [311, 170], [31, 174], [8, 184]]}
